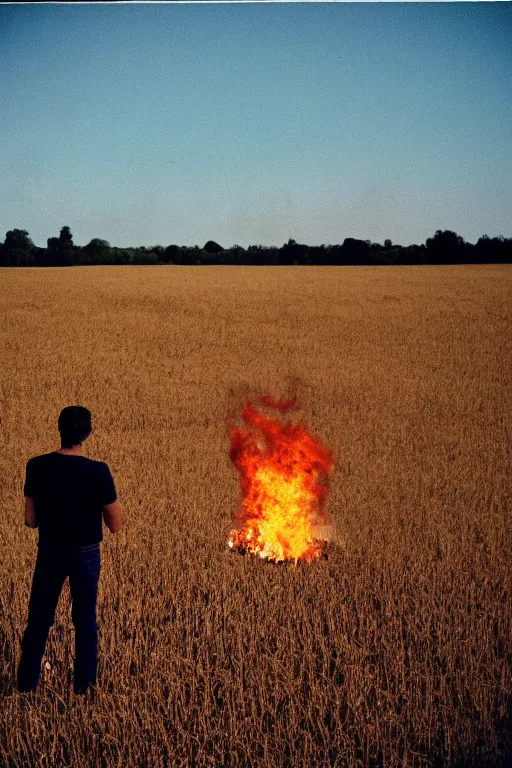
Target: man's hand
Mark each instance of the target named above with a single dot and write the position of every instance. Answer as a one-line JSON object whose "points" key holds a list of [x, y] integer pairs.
{"points": [[113, 516], [30, 515]]}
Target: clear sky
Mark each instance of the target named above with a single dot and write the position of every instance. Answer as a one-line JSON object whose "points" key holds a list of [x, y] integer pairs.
{"points": [[148, 124]]}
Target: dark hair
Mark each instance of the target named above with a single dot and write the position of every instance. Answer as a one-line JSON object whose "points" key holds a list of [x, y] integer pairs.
{"points": [[74, 425]]}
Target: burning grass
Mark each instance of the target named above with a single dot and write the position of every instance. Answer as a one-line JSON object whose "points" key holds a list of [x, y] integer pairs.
{"points": [[397, 649], [283, 473]]}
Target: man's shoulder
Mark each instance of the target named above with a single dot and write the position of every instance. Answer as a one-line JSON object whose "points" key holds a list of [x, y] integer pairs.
{"points": [[98, 466], [95, 468], [97, 462], [91, 462], [40, 459], [45, 458]]}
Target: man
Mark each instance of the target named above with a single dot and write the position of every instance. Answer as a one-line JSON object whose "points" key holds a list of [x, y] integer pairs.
{"points": [[66, 495]]}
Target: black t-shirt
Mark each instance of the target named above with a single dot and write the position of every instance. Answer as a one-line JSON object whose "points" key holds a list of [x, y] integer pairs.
{"points": [[68, 493]]}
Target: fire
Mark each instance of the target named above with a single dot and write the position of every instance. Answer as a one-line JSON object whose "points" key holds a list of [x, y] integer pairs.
{"points": [[284, 478]]}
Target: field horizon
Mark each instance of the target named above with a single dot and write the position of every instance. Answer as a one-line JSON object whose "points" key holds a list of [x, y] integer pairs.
{"points": [[397, 649]]}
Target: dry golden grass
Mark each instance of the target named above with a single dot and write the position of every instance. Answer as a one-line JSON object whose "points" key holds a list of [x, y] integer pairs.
{"points": [[394, 652]]}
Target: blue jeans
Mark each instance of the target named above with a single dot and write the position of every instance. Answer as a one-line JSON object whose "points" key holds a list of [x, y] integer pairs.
{"points": [[50, 573]]}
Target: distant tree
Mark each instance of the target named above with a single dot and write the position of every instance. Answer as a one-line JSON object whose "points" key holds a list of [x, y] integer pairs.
{"points": [[483, 244], [18, 249], [123, 256], [332, 255], [60, 251], [189, 255], [234, 255], [293, 252], [446, 247], [171, 254], [408, 255], [355, 251], [97, 251], [388, 245], [145, 256], [212, 247], [65, 247], [40, 257], [317, 255], [493, 250], [52, 252], [263, 255]]}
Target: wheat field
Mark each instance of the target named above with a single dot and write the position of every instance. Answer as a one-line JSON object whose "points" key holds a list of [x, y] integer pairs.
{"points": [[397, 650]]}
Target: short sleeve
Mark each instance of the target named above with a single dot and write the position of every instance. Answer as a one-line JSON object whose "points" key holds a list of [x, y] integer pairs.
{"points": [[29, 485], [107, 488]]}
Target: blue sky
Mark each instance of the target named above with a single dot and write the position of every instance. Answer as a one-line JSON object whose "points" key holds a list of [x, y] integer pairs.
{"points": [[252, 123]]}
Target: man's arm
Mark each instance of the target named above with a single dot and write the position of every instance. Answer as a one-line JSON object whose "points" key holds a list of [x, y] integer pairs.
{"points": [[113, 516], [30, 515]]}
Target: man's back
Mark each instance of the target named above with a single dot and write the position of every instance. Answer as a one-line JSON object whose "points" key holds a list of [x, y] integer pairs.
{"points": [[69, 492], [66, 495]]}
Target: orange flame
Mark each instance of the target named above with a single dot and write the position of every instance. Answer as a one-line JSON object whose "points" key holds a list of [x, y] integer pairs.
{"points": [[284, 478]]}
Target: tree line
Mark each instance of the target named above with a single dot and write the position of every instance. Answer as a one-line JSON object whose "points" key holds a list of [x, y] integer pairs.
{"points": [[444, 247]]}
